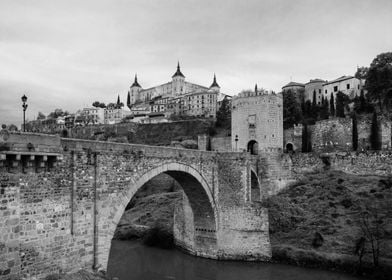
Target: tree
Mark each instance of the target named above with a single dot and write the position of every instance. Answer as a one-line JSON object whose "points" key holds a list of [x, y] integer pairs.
{"points": [[379, 80], [355, 132], [223, 115], [324, 110], [12, 127], [332, 105], [41, 116], [96, 104], [57, 113], [340, 104], [361, 73], [292, 113], [375, 142], [306, 143]]}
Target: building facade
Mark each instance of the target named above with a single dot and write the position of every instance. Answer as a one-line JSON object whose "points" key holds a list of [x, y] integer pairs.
{"points": [[177, 97], [297, 88], [314, 88], [348, 85]]}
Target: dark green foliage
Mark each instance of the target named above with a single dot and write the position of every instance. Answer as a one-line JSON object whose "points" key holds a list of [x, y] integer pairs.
{"points": [[324, 109], [355, 132], [361, 73], [332, 105], [379, 80], [292, 113], [306, 143], [341, 100], [223, 115], [318, 240], [375, 142]]}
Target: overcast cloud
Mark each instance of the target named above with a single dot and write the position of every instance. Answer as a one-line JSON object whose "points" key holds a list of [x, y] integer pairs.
{"points": [[67, 54]]}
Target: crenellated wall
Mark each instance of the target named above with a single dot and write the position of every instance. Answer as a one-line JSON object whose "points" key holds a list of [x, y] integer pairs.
{"points": [[60, 214]]}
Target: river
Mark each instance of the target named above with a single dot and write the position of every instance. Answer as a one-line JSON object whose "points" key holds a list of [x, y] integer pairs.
{"points": [[131, 260]]}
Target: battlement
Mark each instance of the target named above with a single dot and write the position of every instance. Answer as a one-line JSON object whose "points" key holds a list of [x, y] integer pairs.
{"points": [[251, 98], [250, 93]]}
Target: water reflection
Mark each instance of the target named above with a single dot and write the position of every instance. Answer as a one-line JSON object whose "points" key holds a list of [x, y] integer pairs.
{"points": [[130, 260]]}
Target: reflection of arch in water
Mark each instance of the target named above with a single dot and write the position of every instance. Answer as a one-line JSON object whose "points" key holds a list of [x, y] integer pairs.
{"points": [[255, 190], [289, 147], [252, 147], [198, 194]]}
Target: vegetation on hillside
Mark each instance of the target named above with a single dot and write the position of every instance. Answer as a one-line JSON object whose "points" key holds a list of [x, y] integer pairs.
{"points": [[334, 219]]}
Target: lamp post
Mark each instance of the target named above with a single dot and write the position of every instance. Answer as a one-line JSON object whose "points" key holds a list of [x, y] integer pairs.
{"points": [[236, 142], [24, 105]]}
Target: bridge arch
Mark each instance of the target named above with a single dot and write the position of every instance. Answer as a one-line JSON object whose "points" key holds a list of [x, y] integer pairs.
{"points": [[199, 195]]}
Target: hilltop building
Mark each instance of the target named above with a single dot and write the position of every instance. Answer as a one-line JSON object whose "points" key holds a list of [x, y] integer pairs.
{"points": [[297, 88], [177, 97], [314, 88], [349, 85]]}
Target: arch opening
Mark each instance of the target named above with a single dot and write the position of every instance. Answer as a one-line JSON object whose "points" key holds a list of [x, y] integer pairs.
{"points": [[252, 147], [255, 190], [194, 218], [289, 147]]}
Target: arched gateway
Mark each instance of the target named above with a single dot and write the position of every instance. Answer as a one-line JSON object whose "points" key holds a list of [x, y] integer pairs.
{"points": [[198, 237]]}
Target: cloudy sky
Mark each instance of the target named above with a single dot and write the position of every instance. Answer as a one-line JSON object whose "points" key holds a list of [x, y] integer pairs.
{"points": [[68, 53]]}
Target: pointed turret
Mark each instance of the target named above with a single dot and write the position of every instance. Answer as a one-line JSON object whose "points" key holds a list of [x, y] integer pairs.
{"points": [[178, 72], [135, 83], [214, 83]]}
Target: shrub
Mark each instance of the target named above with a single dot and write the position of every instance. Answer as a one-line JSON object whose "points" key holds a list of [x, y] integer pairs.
{"points": [[158, 236]]}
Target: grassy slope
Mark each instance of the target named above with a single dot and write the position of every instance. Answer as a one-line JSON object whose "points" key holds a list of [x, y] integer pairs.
{"points": [[327, 203]]}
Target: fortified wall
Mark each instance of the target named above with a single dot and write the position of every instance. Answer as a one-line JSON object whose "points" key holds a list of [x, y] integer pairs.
{"points": [[336, 135], [61, 200], [357, 163]]}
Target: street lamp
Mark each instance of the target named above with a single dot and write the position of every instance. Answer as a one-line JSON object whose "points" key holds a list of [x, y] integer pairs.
{"points": [[24, 105], [236, 141]]}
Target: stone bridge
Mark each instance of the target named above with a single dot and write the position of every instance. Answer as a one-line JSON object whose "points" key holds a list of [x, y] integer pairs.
{"points": [[61, 201]]}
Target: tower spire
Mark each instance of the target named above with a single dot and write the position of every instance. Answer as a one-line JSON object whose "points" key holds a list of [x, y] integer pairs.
{"points": [[178, 72], [135, 83], [214, 83]]}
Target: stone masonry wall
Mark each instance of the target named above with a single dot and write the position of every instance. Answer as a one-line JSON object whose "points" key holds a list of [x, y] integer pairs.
{"points": [[336, 135], [62, 216], [365, 163]]}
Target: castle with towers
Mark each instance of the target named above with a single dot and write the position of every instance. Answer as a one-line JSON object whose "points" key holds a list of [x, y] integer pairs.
{"points": [[177, 97]]}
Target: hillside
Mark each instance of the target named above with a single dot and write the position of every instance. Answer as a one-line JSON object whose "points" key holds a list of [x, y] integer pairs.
{"points": [[320, 220]]}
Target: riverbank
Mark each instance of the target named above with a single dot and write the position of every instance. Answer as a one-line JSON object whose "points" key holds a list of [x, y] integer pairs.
{"points": [[334, 220]]}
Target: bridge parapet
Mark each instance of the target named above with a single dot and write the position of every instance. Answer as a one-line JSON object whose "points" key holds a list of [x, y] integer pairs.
{"points": [[28, 152]]}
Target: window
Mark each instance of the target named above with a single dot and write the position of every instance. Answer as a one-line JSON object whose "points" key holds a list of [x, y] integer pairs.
{"points": [[335, 88], [252, 121], [326, 92], [348, 86], [319, 90]]}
